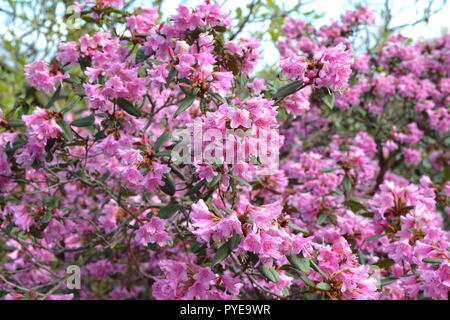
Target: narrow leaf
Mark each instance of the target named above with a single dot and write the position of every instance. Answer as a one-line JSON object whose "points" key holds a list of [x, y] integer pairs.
{"points": [[16, 123], [53, 99], [46, 217], [84, 122], [170, 77], [269, 273], [317, 268], [161, 140], [128, 107], [71, 105], [223, 252], [288, 89], [387, 281], [307, 280], [67, 130], [185, 104], [141, 56], [323, 286], [300, 263], [169, 185], [433, 260], [296, 227], [347, 184], [169, 210], [385, 263], [326, 170], [375, 237], [239, 179]]}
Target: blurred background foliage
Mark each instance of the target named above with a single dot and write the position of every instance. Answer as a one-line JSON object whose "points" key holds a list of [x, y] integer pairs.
{"points": [[32, 29]]}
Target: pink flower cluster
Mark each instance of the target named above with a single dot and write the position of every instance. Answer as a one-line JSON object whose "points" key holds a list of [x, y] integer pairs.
{"points": [[40, 76], [356, 207], [330, 68]]}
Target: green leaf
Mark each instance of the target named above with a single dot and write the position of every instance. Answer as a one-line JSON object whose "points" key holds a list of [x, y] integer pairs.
{"points": [[196, 247], [307, 280], [84, 122], [141, 56], [282, 114], [239, 13], [387, 281], [362, 257], [323, 286], [53, 99], [355, 206], [433, 260], [226, 248], [220, 28], [357, 199], [85, 62], [240, 180], [128, 107], [214, 182], [161, 140], [185, 104], [327, 97], [73, 79], [52, 202], [99, 135], [296, 227], [154, 61], [196, 188], [9, 228], [165, 153], [169, 210], [171, 76], [269, 273], [5, 247], [375, 237], [223, 252], [347, 184], [169, 185], [317, 268], [326, 170], [16, 123], [288, 89], [204, 105], [300, 263], [234, 241], [322, 219], [67, 130], [46, 217], [366, 214], [71, 105], [385, 263]]}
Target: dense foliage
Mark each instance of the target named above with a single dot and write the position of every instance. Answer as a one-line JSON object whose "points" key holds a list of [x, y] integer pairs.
{"points": [[356, 206]]}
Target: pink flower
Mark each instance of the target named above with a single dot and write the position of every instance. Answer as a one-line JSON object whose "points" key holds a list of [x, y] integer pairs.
{"points": [[412, 156], [152, 232], [264, 216], [359, 16], [21, 217], [68, 52], [39, 76], [206, 225], [336, 69], [202, 220], [295, 67], [257, 85], [142, 20], [239, 118], [41, 124]]}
